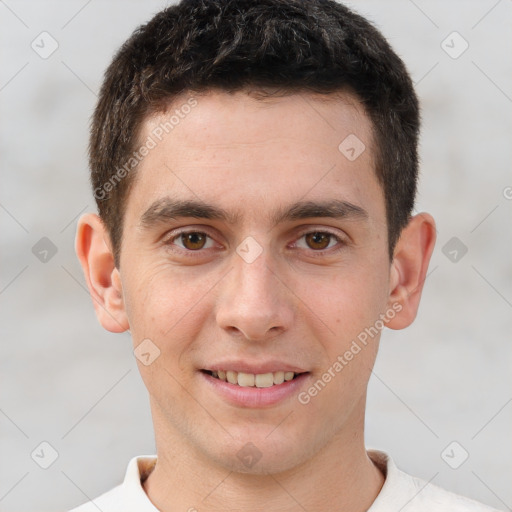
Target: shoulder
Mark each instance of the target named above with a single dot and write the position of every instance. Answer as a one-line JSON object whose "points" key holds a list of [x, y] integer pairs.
{"points": [[128, 496], [110, 500], [407, 493], [430, 497]]}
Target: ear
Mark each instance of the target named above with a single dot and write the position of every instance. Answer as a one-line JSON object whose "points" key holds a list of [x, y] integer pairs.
{"points": [[92, 245], [409, 268]]}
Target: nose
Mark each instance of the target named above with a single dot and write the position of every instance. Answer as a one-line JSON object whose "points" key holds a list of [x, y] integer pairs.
{"points": [[254, 303]]}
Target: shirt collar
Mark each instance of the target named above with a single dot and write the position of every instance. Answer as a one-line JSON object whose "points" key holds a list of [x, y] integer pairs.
{"points": [[395, 484], [137, 471]]}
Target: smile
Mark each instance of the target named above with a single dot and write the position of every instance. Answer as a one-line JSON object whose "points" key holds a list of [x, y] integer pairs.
{"points": [[260, 380]]}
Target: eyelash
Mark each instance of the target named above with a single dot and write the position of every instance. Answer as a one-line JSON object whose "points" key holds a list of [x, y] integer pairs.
{"points": [[341, 242]]}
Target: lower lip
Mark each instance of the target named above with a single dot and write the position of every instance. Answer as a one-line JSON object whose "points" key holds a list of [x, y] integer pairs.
{"points": [[252, 396]]}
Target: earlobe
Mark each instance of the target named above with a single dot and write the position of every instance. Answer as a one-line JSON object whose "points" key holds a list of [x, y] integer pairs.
{"points": [[101, 274], [409, 268]]}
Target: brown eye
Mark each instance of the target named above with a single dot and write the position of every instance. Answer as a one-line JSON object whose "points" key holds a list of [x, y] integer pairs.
{"points": [[193, 240], [318, 240]]}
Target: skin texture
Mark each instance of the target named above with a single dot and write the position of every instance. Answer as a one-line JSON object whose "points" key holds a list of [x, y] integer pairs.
{"points": [[300, 301]]}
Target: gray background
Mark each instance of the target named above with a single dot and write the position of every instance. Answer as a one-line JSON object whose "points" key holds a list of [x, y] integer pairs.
{"points": [[66, 381]]}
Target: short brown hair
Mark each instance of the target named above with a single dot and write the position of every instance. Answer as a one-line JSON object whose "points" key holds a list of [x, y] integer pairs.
{"points": [[317, 46]]}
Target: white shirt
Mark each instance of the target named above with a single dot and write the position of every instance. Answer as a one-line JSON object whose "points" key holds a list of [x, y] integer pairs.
{"points": [[400, 492]]}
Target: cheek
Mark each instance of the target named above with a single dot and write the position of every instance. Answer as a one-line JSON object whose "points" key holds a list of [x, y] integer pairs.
{"points": [[349, 301], [354, 312], [165, 308], [150, 300], [353, 309], [164, 305]]}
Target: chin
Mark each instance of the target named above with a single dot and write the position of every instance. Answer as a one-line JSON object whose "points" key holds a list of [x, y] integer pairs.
{"points": [[266, 465], [256, 454]]}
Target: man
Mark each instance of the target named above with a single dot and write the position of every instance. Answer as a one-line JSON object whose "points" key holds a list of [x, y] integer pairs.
{"points": [[255, 168]]}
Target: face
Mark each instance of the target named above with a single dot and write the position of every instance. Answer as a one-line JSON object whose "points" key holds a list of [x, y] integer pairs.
{"points": [[254, 244]]}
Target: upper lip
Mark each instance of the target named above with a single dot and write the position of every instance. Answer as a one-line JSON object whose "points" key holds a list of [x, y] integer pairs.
{"points": [[255, 367]]}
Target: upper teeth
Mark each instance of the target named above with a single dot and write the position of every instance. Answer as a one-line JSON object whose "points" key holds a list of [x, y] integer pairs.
{"points": [[259, 380]]}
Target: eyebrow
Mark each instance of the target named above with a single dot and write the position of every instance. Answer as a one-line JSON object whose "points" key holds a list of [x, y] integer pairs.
{"points": [[166, 209]]}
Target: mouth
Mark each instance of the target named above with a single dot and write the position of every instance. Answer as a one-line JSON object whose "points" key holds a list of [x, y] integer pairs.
{"points": [[251, 380]]}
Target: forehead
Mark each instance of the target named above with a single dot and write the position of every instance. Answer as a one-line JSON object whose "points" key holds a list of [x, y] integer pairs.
{"points": [[235, 149], [246, 117]]}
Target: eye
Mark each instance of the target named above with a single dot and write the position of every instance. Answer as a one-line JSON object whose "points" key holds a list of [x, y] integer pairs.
{"points": [[191, 240], [194, 241], [319, 240]]}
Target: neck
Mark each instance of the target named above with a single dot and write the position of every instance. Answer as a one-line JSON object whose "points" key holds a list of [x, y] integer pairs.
{"points": [[341, 472]]}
